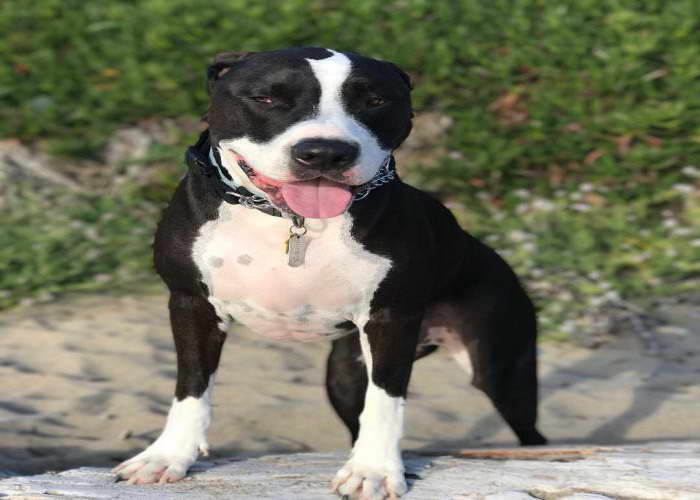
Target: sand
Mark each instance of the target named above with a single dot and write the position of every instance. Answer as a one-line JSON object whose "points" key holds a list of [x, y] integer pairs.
{"points": [[89, 380]]}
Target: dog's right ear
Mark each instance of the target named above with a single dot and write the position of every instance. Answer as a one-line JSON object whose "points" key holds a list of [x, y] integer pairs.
{"points": [[222, 63]]}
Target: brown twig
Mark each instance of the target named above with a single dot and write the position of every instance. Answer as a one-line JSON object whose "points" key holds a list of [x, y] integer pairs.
{"points": [[545, 454]]}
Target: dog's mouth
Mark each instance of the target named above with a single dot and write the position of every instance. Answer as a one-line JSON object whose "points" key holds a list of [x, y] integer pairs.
{"points": [[315, 198]]}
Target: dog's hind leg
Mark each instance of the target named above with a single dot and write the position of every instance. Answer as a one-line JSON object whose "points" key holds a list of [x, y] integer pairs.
{"points": [[499, 331], [199, 337], [491, 331], [511, 384], [346, 381]]}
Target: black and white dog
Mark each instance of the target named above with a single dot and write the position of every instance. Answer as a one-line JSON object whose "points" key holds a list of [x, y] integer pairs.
{"points": [[292, 221]]}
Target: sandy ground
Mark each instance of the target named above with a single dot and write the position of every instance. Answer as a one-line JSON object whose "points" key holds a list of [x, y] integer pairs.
{"points": [[89, 380]]}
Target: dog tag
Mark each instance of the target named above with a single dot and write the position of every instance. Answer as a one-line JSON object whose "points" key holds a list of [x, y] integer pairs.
{"points": [[296, 250], [295, 246]]}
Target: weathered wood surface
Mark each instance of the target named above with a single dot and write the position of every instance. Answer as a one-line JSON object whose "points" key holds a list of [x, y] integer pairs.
{"points": [[658, 471]]}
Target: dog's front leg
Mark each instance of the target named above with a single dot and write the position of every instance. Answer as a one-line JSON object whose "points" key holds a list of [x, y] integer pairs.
{"points": [[375, 469], [198, 340]]}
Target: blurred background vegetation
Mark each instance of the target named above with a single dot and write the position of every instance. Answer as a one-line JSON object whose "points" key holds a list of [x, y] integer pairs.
{"points": [[573, 144]]}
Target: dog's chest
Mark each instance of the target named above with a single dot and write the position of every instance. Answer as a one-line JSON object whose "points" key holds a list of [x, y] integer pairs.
{"points": [[242, 260]]}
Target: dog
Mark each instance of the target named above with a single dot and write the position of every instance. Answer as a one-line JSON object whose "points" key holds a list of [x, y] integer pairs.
{"points": [[293, 222]]}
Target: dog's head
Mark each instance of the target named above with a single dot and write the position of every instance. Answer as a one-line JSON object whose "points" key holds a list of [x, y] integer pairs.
{"points": [[305, 127]]}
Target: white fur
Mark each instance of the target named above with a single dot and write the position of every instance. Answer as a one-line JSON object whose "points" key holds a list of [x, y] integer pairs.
{"points": [[463, 360], [375, 466], [176, 449], [239, 178], [449, 338], [241, 258], [332, 121]]}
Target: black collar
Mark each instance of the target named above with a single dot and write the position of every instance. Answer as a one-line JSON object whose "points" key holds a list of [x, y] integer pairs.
{"points": [[205, 161], [198, 160]]}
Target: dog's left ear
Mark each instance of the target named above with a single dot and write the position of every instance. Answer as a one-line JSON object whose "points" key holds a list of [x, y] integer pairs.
{"points": [[222, 63], [404, 76]]}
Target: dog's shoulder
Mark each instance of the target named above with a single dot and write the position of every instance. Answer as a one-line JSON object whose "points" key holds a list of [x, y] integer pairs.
{"points": [[191, 206], [401, 213]]}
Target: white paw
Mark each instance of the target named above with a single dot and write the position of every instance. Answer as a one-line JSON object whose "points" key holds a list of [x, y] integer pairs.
{"points": [[157, 465], [177, 448], [366, 482]]}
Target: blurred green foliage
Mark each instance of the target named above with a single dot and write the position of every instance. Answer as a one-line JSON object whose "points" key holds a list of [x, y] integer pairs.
{"points": [[546, 97], [73, 71], [63, 243]]}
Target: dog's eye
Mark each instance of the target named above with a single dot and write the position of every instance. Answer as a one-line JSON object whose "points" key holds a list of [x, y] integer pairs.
{"points": [[263, 99], [375, 102]]}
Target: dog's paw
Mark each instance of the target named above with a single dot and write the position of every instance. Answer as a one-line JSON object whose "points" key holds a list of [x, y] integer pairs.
{"points": [[155, 465], [365, 482], [176, 449]]}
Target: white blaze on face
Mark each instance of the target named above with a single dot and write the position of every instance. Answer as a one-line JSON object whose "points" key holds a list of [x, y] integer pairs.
{"points": [[331, 121]]}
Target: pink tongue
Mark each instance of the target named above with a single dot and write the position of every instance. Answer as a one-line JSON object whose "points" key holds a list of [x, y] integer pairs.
{"points": [[318, 198]]}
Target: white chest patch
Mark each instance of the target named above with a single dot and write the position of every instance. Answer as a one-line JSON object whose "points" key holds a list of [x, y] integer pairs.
{"points": [[241, 258]]}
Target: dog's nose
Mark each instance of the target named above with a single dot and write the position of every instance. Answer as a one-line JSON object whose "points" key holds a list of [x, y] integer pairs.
{"points": [[325, 153]]}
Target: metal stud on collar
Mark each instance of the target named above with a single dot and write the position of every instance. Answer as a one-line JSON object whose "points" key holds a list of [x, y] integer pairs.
{"points": [[383, 176]]}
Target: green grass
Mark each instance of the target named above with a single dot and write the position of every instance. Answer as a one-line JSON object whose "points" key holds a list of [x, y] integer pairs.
{"points": [[574, 148], [64, 243]]}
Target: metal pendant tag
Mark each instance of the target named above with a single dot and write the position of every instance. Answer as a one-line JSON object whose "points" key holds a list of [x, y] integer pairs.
{"points": [[296, 250], [295, 246]]}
